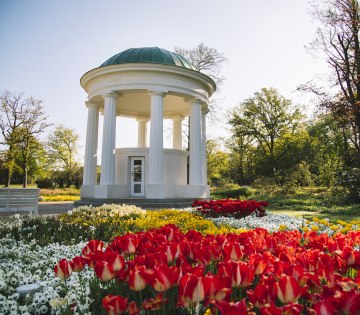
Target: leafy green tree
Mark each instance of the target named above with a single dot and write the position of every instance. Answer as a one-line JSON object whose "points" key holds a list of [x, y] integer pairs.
{"points": [[62, 147], [218, 163], [30, 157], [243, 156], [266, 118], [21, 119], [327, 149]]}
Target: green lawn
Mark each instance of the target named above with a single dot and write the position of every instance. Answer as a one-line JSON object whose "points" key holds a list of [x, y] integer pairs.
{"points": [[311, 202]]}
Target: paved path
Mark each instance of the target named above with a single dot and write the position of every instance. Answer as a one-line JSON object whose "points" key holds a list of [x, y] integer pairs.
{"points": [[48, 208]]}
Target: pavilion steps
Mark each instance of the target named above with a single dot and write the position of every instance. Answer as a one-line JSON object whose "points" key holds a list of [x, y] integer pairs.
{"points": [[167, 203]]}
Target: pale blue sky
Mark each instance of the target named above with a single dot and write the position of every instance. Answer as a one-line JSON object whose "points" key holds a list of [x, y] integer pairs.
{"points": [[47, 45]]}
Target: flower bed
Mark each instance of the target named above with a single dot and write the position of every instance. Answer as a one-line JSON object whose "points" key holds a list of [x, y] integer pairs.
{"points": [[29, 249], [230, 208], [255, 271]]}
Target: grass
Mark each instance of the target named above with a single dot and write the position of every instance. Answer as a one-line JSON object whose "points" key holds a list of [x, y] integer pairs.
{"points": [[307, 202], [311, 202]]}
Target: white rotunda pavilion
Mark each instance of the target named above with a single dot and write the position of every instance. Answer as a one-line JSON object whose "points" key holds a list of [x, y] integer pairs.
{"points": [[148, 85]]}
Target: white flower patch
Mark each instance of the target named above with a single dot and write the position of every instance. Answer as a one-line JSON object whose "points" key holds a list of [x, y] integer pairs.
{"points": [[22, 264], [270, 221], [110, 210]]}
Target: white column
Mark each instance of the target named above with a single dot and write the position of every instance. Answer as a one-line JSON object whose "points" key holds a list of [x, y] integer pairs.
{"points": [[195, 176], [177, 132], [156, 158], [90, 161], [108, 142], [203, 143], [142, 131]]}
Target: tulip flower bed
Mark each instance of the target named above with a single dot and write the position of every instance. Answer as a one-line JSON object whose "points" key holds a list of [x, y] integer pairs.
{"points": [[30, 247], [230, 208], [166, 271]]}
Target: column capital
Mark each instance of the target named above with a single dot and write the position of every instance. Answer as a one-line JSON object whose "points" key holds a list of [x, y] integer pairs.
{"points": [[89, 104], [159, 93], [206, 111], [177, 117], [141, 118], [111, 94], [195, 100]]}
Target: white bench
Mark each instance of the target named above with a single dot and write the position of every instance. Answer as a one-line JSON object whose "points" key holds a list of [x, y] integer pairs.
{"points": [[19, 199]]}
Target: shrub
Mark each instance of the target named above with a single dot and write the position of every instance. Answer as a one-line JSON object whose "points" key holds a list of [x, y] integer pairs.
{"points": [[350, 179], [45, 183], [235, 193]]}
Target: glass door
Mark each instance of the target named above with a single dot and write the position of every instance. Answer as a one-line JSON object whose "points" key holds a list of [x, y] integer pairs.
{"points": [[137, 176]]}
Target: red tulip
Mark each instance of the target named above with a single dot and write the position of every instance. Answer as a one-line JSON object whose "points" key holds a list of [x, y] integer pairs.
{"points": [[104, 271], [240, 273], [154, 304], [164, 277], [138, 278], [114, 305], [233, 251], [351, 303], [272, 309], [217, 287], [351, 257], [172, 251], [78, 263], [129, 243], [231, 308], [63, 269], [92, 247], [287, 289], [324, 308], [116, 261], [260, 263], [193, 289], [133, 309], [260, 295], [170, 231]]}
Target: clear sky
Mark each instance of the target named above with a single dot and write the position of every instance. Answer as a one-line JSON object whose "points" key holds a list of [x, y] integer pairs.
{"points": [[47, 45]]}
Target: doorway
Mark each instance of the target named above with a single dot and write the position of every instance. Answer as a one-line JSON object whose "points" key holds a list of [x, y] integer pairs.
{"points": [[137, 176]]}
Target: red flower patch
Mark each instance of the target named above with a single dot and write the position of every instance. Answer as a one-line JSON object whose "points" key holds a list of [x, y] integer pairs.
{"points": [[230, 208]]}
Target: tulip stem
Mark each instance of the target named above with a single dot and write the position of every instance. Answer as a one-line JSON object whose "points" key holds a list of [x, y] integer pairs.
{"points": [[141, 300], [240, 293], [66, 288], [163, 302]]}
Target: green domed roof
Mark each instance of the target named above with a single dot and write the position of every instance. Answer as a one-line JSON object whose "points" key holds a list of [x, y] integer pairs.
{"points": [[149, 55]]}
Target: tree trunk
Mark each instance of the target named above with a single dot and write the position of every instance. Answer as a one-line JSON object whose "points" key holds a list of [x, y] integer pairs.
{"points": [[8, 178], [25, 178], [241, 172]]}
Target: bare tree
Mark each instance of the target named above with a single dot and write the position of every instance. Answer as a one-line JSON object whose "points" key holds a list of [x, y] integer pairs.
{"points": [[21, 119], [209, 61], [338, 38], [205, 59]]}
